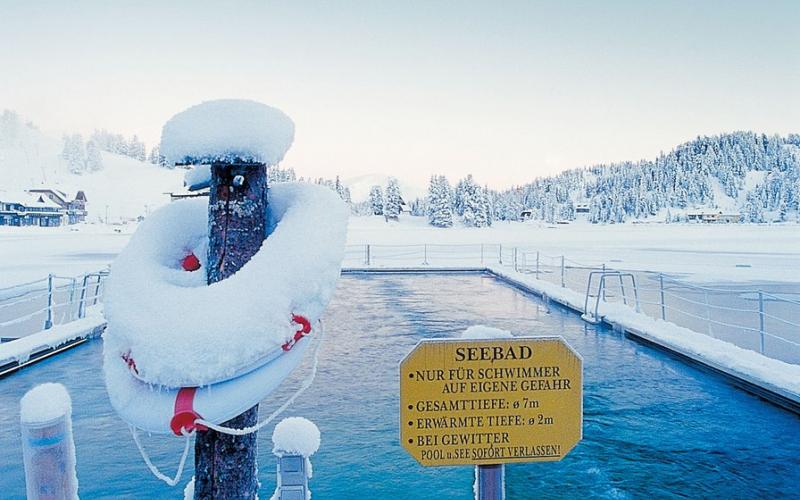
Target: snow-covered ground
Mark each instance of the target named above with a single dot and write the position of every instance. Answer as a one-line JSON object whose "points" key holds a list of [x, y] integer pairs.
{"points": [[700, 253], [30, 253]]}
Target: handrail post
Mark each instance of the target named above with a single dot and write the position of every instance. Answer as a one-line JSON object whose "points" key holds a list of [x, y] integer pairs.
{"points": [[597, 300], [82, 301], [661, 290], [72, 290], [761, 318], [514, 259], [48, 323], [588, 292], [537, 264], [500, 254], [97, 289], [366, 249], [481, 253], [604, 272], [563, 281], [425, 254]]}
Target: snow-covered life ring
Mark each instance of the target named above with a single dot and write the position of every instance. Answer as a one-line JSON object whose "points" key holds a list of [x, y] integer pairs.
{"points": [[172, 339]]}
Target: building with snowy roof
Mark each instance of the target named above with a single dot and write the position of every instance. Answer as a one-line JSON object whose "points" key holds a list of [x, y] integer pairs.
{"points": [[708, 216], [29, 209], [73, 205]]}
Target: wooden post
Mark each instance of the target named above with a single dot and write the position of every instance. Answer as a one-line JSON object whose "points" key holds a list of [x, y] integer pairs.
{"points": [[225, 466]]}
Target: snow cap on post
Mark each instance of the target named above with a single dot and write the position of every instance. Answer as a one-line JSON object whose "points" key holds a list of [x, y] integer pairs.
{"points": [[295, 436], [45, 403], [483, 332], [227, 130]]}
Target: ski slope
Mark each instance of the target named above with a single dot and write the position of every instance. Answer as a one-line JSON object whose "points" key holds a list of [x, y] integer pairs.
{"points": [[122, 191]]}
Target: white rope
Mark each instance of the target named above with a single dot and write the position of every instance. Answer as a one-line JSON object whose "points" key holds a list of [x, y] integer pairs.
{"points": [[227, 430], [305, 385], [153, 469]]}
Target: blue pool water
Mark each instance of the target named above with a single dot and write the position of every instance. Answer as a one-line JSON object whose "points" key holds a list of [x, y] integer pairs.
{"points": [[653, 425]]}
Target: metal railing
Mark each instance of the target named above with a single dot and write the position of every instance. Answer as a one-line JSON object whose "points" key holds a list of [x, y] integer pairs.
{"points": [[760, 320], [39, 305], [422, 254], [593, 316]]}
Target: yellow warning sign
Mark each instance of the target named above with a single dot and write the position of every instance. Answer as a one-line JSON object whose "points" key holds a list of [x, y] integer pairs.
{"points": [[491, 401]]}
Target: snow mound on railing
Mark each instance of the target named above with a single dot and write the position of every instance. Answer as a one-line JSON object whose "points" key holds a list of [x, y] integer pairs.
{"points": [[180, 332], [295, 436], [227, 130]]}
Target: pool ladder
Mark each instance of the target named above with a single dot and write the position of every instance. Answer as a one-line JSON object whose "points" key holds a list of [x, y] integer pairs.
{"points": [[593, 316]]}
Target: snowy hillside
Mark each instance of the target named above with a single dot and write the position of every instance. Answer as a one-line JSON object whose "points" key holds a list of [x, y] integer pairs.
{"points": [[128, 187], [752, 174]]}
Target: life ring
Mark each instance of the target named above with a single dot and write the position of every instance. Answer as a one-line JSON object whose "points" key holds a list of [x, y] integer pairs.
{"points": [[230, 343]]}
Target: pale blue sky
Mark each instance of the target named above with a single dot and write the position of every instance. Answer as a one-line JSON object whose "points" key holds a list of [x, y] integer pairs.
{"points": [[505, 90]]}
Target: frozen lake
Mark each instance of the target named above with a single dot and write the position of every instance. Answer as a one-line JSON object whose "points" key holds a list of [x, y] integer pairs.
{"points": [[700, 253], [653, 426]]}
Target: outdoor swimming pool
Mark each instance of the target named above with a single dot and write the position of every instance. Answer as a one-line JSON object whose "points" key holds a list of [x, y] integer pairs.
{"points": [[653, 425]]}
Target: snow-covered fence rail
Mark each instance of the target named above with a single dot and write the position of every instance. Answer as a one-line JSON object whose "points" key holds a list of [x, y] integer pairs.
{"points": [[39, 305], [759, 320], [422, 254], [764, 322]]}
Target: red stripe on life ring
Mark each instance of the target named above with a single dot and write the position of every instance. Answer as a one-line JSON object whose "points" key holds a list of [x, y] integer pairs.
{"points": [[305, 329], [185, 416]]}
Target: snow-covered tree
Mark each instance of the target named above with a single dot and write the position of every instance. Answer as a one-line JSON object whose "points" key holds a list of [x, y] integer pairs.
{"points": [[74, 153], [419, 207], [440, 207], [376, 200], [753, 211], [488, 205], [94, 161], [393, 200], [473, 203], [136, 149], [278, 174], [156, 158], [10, 124]]}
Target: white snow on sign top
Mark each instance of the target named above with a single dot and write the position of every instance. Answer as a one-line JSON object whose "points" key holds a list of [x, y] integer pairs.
{"points": [[295, 436], [45, 403], [485, 332], [227, 130], [181, 332]]}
